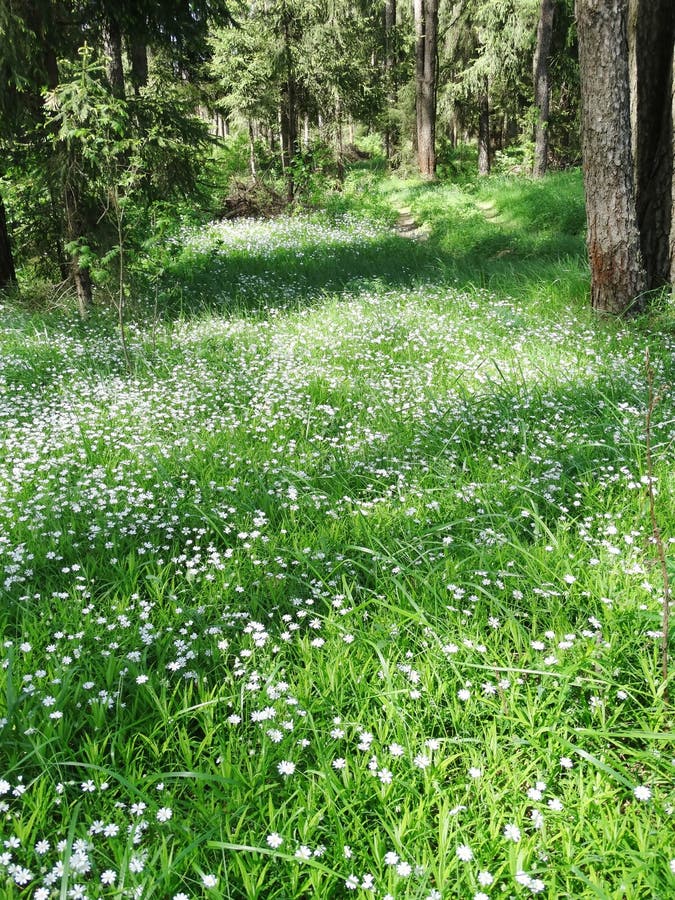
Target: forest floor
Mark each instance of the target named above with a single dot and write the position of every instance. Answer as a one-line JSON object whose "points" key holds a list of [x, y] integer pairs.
{"points": [[347, 586]]}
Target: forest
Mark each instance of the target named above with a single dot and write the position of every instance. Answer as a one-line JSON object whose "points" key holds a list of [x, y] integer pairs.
{"points": [[337, 470]]}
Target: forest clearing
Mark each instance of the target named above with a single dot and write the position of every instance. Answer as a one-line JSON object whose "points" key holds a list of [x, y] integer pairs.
{"points": [[337, 461], [342, 581]]}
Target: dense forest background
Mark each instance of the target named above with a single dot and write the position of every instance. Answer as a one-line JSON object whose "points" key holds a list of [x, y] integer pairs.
{"points": [[115, 114], [112, 111]]}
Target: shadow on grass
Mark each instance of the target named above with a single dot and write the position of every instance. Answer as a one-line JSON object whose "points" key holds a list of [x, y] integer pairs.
{"points": [[222, 280], [513, 234], [503, 469]]}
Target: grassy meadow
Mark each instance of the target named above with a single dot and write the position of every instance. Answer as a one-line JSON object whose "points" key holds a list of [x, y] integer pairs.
{"points": [[346, 587]]}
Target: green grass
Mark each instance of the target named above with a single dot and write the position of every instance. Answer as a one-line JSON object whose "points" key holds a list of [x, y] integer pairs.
{"points": [[347, 588]]}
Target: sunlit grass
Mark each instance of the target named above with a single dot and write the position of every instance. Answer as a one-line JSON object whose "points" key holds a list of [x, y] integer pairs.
{"points": [[347, 589]]}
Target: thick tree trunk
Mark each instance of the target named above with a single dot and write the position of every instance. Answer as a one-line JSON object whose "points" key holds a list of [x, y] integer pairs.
{"points": [[541, 86], [7, 270], [651, 38], [426, 52], [138, 56], [484, 131], [112, 48], [617, 272]]}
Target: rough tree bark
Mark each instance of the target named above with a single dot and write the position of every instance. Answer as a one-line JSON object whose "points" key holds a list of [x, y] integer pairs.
{"points": [[112, 48], [390, 134], [617, 272], [7, 271], [426, 53], [138, 56], [541, 86], [484, 130], [651, 36]]}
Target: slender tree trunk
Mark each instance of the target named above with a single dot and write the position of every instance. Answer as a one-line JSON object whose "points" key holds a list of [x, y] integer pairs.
{"points": [[7, 270], [452, 130], [390, 134], [80, 274], [339, 139], [651, 36], [289, 118], [484, 130], [672, 214], [426, 52], [617, 272], [112, 48], [57, 219], [286, 138], [541, 86], [251, 150]]}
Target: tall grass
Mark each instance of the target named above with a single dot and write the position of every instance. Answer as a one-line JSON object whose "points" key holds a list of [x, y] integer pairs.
{"points": [[347, 588]]}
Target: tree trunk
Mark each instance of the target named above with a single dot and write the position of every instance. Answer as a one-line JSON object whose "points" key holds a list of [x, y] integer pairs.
{"points": [[287, 140], [390, 134], [251, 150], [57, 226], [7, 270], [339, 140], [617, 272], [289, 119], [112, 48], [651, 38], [426, 51], [672, 214], [484, 130], [75, 231], [138, 56], [82, 280], [541, 86]]}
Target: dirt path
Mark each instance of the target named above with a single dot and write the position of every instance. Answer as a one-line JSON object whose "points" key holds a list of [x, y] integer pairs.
{"points": [[407, 226]]}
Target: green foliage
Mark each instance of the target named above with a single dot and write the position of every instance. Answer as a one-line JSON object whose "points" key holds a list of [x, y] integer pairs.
{"points": [[490, 45], [329, 48], [118, 157]]}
